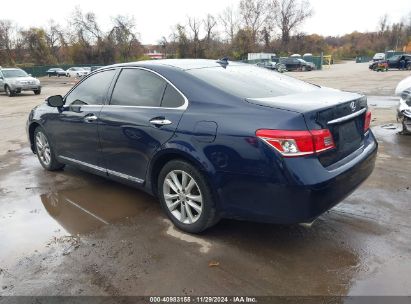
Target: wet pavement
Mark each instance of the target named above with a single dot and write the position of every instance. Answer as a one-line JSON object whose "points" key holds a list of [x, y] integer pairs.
{"points": [[73, 233]]}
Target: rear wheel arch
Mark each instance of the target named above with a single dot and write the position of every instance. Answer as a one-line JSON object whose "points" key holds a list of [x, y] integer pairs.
{"points": [[161, 160], [33, 126]]}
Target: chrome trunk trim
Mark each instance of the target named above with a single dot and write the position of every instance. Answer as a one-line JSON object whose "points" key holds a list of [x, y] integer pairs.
{"points": [[348, 117]]}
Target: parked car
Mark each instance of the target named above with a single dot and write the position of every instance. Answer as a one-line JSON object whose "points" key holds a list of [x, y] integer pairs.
{"points": [[403, 85], [76, 72], [267, 65], [297, 64], [404, 111], [395, 61], [14, 81], [211, 139], [274, 66], [56, 72], [378, 57], [403, 90]]}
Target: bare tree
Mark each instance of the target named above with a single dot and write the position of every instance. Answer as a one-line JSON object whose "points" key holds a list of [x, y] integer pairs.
{"points": [[85, 26], [292, 13], [209, 25], [383, 24], [230, 22], [194, 25], [124, 35], [256, 14], [6, 41]]}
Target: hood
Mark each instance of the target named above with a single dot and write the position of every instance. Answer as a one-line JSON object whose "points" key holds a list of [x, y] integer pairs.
{"points": [[307, 101]]}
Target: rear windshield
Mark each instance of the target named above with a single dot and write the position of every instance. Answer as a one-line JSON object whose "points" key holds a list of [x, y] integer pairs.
{"points": [[247, 81], [14, 73]]}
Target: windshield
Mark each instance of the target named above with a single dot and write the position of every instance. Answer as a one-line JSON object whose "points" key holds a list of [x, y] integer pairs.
{"points": [[14, 73], [246, 81]]}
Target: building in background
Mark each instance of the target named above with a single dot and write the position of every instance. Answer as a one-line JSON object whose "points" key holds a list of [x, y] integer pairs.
{"points": [[153, 52]]}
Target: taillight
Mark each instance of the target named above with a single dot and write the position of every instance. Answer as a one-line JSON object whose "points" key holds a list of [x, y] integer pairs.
{"points": [[297, 143], [367, 121]]}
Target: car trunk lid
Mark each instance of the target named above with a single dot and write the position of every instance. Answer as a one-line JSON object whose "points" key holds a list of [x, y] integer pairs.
{"points": [[342, 113]]}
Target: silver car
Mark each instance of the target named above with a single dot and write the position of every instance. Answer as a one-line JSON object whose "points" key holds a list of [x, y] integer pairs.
{"points": [[14, 81]]}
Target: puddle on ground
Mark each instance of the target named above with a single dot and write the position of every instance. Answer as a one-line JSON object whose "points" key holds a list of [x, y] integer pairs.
{"points": [[396, 143], [35, 207], [86, 209]]}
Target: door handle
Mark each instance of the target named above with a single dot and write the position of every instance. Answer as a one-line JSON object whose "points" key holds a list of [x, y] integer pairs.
{"points": [[160, 121], [90, 118]]}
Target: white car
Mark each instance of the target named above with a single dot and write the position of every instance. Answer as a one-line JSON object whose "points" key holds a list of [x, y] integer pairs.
{"points": [[404, 107], [403, 85], [76, 72], [378, 56]]}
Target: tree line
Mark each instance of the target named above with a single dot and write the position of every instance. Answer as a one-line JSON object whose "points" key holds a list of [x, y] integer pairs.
{"points": [[274, 26]]}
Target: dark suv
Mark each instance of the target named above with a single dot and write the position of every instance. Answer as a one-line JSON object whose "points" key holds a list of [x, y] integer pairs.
{"points": [[395, 61]]}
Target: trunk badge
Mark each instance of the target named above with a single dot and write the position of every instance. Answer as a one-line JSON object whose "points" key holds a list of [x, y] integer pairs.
{"points": [[353, 106]]}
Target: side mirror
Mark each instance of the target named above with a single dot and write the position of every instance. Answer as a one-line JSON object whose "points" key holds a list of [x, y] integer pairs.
{"points": [[30, 75], [55, 101]]}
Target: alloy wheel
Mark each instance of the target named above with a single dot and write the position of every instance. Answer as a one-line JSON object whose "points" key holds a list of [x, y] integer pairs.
{"points": [[43, 148], [183, 196]]}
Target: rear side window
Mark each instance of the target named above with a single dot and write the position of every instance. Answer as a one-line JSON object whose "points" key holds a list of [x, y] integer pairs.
{"points": [[137, 87], [172, 98], [92, 91]]}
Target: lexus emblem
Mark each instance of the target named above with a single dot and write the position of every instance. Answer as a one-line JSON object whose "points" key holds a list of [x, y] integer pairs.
{"points": [[353, 106]]}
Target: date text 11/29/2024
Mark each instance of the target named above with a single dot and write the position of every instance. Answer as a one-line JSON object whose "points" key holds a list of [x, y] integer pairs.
{"points": [[205, 299]]}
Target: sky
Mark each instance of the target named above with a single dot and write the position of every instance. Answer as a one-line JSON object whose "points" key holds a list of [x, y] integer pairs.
{"points": [[155, 18]]}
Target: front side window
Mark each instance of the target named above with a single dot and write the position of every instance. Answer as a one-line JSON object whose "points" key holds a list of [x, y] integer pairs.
{"points": [[92, 90], [136, 87]]}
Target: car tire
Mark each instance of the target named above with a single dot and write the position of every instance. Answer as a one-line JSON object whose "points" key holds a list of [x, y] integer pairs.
{"points": [[45, 151], [8, 91], [187, 201], [37, 92]]}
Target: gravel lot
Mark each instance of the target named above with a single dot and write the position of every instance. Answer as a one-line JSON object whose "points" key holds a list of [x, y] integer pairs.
{"points": [[72, 233]]}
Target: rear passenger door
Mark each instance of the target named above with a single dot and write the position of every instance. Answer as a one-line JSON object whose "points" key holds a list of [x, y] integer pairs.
{"points": [[142, 115]]}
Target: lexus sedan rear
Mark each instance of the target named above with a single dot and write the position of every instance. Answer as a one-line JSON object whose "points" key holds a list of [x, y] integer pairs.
{"points": [[211, 139]]}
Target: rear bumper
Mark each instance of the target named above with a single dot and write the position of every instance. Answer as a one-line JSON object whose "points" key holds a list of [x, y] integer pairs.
{"points": [[310, 191]]}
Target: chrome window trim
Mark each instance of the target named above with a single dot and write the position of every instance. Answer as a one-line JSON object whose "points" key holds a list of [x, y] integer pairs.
{"points": [[105, 170], [182, 107], [347, 117]]}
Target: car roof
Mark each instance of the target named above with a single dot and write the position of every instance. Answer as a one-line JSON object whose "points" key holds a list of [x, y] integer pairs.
{"points": [[183, 64]]}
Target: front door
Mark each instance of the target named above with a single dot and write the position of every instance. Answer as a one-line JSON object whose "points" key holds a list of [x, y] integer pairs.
{"points": [[143, 114], [75, 132]]}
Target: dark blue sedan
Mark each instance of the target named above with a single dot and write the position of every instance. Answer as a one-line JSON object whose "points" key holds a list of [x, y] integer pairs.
{"points": [[211, 139]]}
